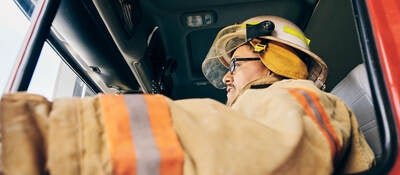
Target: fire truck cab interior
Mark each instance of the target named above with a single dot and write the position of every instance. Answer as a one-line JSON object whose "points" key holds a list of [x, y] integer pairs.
{"points": [[157, 46]]}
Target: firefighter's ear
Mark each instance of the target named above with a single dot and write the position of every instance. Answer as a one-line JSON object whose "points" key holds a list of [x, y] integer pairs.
{"points": [[269, 73]]}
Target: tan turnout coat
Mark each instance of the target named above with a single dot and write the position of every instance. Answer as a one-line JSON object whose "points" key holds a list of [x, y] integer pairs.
{"points": [[290, 127]]}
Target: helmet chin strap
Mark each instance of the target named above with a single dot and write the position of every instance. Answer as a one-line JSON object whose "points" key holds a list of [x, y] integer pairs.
{"points": [[259, 45]]}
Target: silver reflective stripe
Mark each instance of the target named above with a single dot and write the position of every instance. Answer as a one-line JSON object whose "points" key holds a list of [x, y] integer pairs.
{"points": [[147, 153], [318, 115]]}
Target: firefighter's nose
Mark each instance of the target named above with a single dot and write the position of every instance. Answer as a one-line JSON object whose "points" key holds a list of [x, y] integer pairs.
{"points": [[228, 78]]}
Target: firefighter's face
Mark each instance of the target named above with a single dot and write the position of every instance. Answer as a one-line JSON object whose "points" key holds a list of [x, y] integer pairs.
{"points": [[243, 71]]}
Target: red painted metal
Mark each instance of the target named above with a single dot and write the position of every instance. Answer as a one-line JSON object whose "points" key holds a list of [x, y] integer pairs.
{"points": [[385, 19]]}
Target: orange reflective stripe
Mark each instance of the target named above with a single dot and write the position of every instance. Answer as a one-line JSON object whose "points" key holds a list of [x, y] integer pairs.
{"points": [[310, 113], [315, 111], [325, 118], [140, 135], [167, 141], [306, 107], [116, 118]]}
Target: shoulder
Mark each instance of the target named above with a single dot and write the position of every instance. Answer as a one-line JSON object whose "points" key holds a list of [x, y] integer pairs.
{"points": [[280, 90], [292, 93], [274, 101], [304, 87], [292, 83]]}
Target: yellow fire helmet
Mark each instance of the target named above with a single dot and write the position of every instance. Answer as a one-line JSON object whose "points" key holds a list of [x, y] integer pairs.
{"points": [[282, 47]]}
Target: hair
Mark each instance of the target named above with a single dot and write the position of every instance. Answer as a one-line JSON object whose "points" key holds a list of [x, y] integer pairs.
{"points": [[233, 51]]}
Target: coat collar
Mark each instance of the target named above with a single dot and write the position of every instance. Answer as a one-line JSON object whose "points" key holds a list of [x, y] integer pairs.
{"points": [[256, 84]]}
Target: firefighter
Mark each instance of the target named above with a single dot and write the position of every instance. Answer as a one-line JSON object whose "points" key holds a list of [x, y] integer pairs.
{"points": [[265, 65], [277, 119]]}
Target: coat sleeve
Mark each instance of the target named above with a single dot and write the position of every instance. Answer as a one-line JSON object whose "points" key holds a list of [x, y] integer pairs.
{"points": [[24, 125], [357, 154], [106, 135], [70, 136], [65, 136]]}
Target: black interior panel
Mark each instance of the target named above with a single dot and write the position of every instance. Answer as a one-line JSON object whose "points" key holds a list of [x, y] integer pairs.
{"points": [[333, 37]]}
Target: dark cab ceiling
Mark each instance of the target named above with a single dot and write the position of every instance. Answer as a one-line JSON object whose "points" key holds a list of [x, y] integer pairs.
{"points": [[153, 49]]}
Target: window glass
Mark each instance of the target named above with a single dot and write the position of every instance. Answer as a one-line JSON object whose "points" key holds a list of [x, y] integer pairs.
{"points": [[45, 74], [53, 78], [13, 27]]}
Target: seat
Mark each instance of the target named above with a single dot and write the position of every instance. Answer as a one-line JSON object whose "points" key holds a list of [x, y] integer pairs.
{"points": [[355, 91]]}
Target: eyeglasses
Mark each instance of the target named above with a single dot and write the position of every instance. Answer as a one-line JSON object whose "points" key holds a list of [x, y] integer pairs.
{"points": [[232, 66]]}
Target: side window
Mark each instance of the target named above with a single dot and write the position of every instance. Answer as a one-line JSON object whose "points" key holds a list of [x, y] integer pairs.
{"points": [[52, 78], [14, 26]]}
